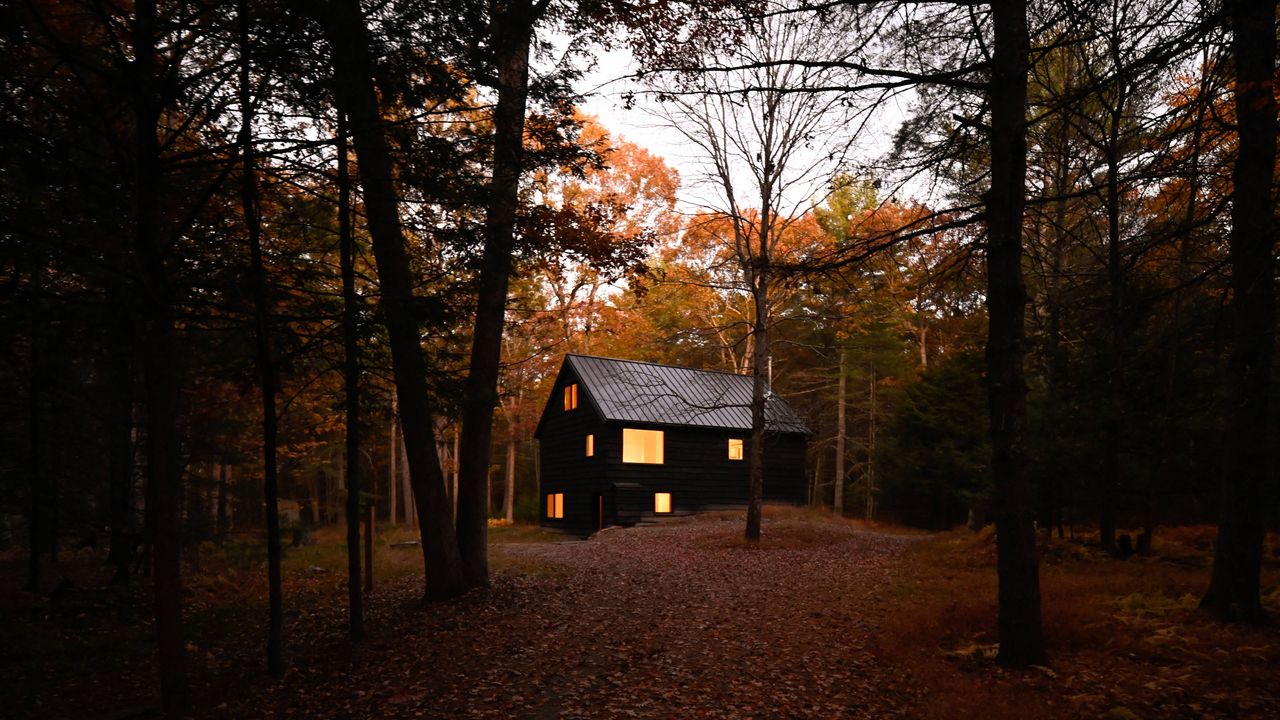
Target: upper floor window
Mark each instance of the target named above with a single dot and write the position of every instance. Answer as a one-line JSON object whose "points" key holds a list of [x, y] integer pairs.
{"points": [[642, 446], [571, 396], [591, 445], [735, 448]]}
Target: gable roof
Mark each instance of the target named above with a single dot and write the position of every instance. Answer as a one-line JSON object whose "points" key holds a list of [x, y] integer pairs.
{"points": [[632, 391]]}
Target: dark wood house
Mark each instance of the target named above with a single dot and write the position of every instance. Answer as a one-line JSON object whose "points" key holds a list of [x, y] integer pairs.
{"points": [[623, 441]]}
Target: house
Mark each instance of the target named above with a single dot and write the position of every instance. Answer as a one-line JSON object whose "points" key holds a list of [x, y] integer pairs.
{"points": [[622, 441]]}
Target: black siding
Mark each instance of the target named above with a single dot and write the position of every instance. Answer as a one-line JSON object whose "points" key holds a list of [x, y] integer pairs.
{"points": [[696, 468], [563, 464], [698, 473]]}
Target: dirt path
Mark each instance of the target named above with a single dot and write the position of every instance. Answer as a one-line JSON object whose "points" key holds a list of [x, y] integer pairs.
{"points": [[685, 621], [671, 621]]}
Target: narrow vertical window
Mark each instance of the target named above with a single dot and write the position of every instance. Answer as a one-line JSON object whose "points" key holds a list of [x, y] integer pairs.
{"points": [[571, 396], [591, 445], [662, 502], [735, 448], [555, 506]]}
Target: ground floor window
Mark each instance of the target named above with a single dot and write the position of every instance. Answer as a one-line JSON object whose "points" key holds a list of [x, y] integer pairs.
{"points": [[642, 446], [555, 506], [662, 502]]}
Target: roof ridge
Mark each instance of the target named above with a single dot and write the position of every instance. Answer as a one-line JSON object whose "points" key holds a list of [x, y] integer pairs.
{"points": [[676, 397], [655, 364]]}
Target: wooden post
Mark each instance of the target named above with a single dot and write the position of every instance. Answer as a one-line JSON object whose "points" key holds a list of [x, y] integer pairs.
{"points": [[406, 494], [393, 480]]}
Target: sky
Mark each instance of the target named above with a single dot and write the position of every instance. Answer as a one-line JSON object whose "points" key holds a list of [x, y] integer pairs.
{"points": [[607, 83], [605, 86]]}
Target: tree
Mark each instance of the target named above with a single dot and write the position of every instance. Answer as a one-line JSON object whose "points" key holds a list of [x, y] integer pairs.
{"points": [[1021, 638], [936, 456], [752, 117], [1237, 562], [350, 384], [348, 36], [511, 24], [262, 341]]}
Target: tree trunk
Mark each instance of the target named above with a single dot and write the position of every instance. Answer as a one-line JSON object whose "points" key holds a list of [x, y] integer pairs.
{"points": [[195, 517], [760, 359], [511, 23], [120, 436], [1172, 430], [1057, 366], [838, 502], [224, 526], [509, 496], [408, 521], [871, 443], [1109, 478], [159, 362], [1021, 638], [1237, 561], [454, 470], [266, 363], [42, 529], [358, 99], [393, 474], [371, 518], [817, 481], [351, 383]]}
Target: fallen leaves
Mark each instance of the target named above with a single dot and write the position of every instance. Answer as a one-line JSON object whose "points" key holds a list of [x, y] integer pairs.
{"points": [[648, 622], [822, 619]]}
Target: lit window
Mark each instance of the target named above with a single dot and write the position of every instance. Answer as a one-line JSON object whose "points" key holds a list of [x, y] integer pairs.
{"points": [[642, 446], [571, 396], [591, 445], [555, 506], [662, 502], [735, 448]]}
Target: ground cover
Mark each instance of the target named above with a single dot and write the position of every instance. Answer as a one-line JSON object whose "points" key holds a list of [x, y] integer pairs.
{"points": [[826, 618]]}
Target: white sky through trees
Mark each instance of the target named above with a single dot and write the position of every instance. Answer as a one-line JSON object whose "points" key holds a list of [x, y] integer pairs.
{"points": [[610, 82]]}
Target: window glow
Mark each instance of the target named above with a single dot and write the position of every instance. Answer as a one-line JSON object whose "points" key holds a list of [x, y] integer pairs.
{"points": [[591, 445], [662, 502], [642, 446], [571, 396], [555, 506], [735, 448]]}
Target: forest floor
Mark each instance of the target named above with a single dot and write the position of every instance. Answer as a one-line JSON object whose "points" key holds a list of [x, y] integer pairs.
{"points": [[826, 618]]}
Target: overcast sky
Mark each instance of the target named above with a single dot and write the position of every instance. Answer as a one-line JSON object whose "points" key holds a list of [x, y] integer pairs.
{"points": [[607, 84]]}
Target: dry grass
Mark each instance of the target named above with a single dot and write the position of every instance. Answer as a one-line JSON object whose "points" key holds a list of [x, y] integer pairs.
{"points": [[1123, 635], [786, 527]]}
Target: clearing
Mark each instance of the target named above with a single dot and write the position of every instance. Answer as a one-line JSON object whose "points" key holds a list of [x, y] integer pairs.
{"points": [[826, 618]]}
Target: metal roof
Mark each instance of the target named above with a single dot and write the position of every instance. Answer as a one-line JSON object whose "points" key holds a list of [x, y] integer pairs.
{"points": [[631, 391]]}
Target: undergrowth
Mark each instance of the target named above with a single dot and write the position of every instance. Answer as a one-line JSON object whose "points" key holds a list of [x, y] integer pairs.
{"points": [[1124, 636]]}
